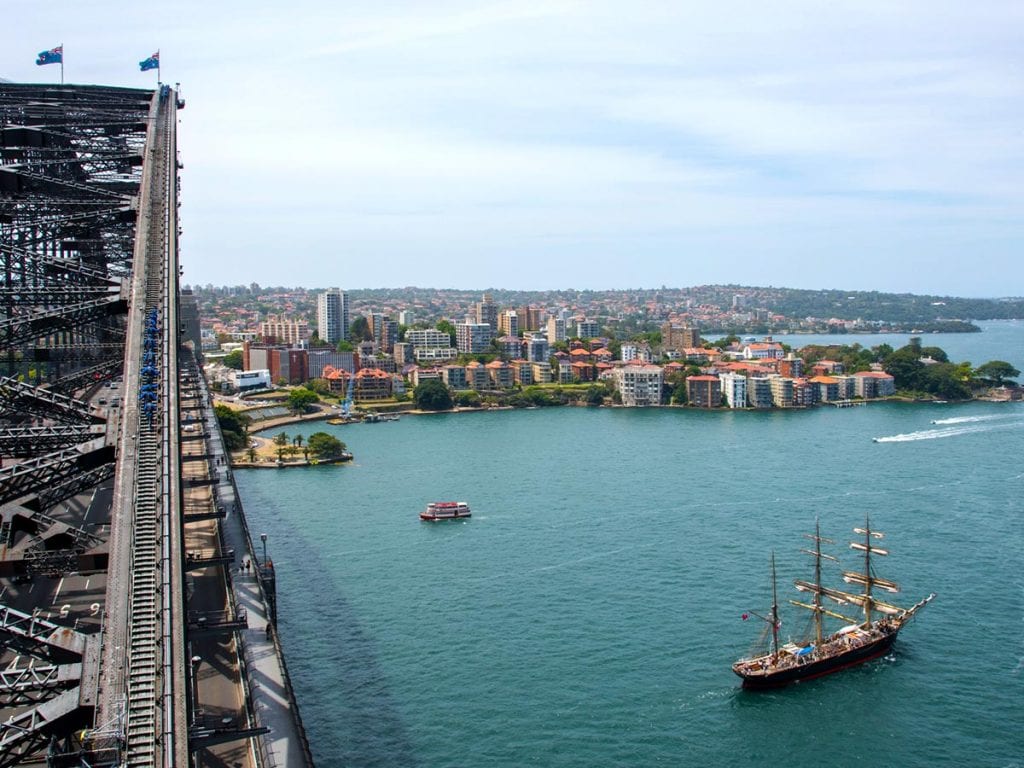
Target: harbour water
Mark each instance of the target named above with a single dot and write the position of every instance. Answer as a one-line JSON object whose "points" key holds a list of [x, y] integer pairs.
{"points": [[589, 612]]}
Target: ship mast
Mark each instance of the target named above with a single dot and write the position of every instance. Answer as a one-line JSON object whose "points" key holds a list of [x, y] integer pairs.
{"points": [[867, 579], [775, 612], [816, 607]]}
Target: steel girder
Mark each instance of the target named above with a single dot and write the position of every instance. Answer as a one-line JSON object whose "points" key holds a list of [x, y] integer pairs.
{"points": [[17, 397], [56, 472], [21, 442], [28, 731], [27, 685]]}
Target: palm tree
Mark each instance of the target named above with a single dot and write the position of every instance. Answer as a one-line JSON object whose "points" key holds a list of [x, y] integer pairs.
{"points": [[252, 455], [297, 441]]}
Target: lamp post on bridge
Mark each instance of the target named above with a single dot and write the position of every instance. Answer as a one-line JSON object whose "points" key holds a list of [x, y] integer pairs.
{"points": [[263, 538]]}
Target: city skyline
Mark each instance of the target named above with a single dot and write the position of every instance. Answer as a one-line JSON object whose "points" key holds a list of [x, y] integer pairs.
{"points": [[569, 145]]}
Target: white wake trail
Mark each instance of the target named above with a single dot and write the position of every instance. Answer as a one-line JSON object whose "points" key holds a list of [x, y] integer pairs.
{"points": [[970, 419], [936, 434]]}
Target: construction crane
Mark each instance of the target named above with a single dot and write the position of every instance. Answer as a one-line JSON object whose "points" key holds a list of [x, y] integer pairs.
{"points": [[346, 404]]}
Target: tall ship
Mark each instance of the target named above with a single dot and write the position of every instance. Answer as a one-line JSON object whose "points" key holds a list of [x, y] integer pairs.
{"points": [[860, 639]]}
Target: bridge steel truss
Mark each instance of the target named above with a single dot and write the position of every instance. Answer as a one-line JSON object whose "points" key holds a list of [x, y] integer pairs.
{"points": [[88, 288]]}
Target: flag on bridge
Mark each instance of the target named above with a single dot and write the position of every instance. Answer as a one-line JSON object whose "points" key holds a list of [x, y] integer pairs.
{"points": [[153, 62], [52, 56]]}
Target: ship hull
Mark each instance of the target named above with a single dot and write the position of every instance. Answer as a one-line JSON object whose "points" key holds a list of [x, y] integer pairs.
{"points": [[808, 671]]}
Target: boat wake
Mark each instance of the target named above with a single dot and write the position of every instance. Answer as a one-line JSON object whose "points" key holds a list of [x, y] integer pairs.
{"points": [[950, 431], [972, 419]]}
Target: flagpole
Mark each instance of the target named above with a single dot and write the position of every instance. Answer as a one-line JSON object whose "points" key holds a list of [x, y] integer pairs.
{"points": [[62, 63], [158, 66]]}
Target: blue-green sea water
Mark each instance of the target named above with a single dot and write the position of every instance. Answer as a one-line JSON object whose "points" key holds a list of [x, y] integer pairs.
{"points": [[589, 612]]}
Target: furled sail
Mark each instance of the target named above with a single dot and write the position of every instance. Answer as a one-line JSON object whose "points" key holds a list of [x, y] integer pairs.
{"points": [[852, 577]]}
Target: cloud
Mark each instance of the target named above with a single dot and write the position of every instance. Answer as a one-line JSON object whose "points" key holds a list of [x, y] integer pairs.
{"points": [[793, 137]]}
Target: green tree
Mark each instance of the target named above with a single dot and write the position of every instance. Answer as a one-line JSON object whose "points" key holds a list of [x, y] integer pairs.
{"points": [[468, 398], [297, 441], [943, 380], [996, 372], [324, 446], [251, 453], [344, 346], [596, 394], [281, 439], [445, 326], [234, 426], [300, 398], [359, 330], [233, 360], [320, 386], [935, 353], [905, 366], [432, 395]]}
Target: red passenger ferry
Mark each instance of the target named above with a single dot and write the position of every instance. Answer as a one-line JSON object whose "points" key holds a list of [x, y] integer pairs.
{"points": [[445, 510]]}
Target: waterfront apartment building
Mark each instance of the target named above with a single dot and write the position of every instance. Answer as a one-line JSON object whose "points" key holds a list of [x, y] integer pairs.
{"points": [[870, 384], [281, 330], [679, 337], [476, 376], [704, 391], [541, 372], [734, 387], [332, 315], [500, 374], [782, 391], [454, 376], [373, 384], [522, 372], [759, 392], [406, 318], [473, 338], [587, 329], [639, 384]]}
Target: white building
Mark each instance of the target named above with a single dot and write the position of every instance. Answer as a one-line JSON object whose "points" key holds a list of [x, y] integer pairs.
{"points": [[435, 354], [332, 315], [639, 384], [427, 338], [246, 381], [734, 387]]}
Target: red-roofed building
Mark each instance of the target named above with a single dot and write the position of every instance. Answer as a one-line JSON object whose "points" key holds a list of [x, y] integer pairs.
{"points": [[373, 384], [871, 384]]}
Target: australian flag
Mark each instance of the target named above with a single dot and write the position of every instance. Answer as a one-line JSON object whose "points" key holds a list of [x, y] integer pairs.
{"points": [[153, 62], [52, 56]]}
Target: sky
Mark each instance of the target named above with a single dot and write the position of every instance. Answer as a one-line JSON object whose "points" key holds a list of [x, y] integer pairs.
{"points": [[553, 144]]}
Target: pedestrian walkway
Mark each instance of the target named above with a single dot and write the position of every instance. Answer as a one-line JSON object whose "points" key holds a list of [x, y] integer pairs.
{"points": [[265, 670]]}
